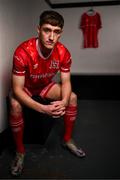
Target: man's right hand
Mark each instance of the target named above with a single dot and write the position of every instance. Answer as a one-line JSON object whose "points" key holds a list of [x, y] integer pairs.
{"points": [[54, 110]]}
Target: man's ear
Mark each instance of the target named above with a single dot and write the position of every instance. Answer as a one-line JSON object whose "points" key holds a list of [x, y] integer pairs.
{"points": [[38, 29]]}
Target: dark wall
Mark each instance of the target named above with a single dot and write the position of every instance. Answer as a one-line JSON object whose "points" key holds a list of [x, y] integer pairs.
{"points": [[96, 86]]}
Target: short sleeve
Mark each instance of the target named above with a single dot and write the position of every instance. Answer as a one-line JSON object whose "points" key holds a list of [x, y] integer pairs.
{"points": [[99, 22], [19, 64], [82, 21], [66, 63]]}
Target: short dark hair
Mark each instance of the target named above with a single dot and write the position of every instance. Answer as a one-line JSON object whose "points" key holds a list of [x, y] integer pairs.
{"points": [[51, 17]]}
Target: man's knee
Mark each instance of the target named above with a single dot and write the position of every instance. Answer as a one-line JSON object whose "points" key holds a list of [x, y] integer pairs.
{"points": [[15, 106], [73, 98], [16, 115]]}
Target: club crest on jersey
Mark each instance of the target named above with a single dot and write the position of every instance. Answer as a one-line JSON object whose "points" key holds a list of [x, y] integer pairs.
{"points": [[54, 64]]}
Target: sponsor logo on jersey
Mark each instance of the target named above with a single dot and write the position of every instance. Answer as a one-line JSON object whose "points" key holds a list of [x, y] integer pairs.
{"points": [[40, 76]]}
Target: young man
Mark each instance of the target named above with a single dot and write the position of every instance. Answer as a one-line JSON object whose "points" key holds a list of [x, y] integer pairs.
{"points": [[35, 63]]}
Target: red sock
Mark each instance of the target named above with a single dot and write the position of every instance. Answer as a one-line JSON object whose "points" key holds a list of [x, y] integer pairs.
{"points": [[17, 127], [69, 121]]}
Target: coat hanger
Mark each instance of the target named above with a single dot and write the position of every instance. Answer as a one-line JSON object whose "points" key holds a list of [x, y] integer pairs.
{"points": [[91, 11]]}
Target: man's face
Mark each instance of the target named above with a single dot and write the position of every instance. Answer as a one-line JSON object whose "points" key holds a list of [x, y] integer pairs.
{"points": [[49, 35]]}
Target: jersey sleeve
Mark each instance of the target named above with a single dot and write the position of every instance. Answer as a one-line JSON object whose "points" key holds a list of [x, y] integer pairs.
{"points": [[19, 62], [82, 21], [99, 21], [66, 62]]}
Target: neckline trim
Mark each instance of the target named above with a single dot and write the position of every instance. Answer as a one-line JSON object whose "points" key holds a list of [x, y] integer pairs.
{"points": [[39, 51]]}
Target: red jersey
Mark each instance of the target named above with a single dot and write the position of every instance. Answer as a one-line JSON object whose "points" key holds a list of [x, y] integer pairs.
{"points": [[90, 24], [38, 70]]}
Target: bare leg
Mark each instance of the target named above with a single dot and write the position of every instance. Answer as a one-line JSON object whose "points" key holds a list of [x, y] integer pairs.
{"points": [[17, 127], [17, 124], [69, 119]]}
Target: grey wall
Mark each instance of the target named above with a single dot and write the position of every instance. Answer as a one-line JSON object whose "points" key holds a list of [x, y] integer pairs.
{"points": [[103, 60], [18, 22]]}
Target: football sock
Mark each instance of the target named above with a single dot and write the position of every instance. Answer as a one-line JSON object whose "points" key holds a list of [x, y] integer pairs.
{"points": [[17, 127], [69, 121]]}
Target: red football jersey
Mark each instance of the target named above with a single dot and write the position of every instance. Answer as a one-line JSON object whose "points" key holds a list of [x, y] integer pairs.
{"points": [[38, 70], [90, 24]]}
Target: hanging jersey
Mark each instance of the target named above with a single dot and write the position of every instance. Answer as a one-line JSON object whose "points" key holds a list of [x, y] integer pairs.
{"points": [[39, 71], [90, 24]]}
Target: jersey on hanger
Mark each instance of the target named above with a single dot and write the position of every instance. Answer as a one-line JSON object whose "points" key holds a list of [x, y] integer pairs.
{"points": [[90, 24]]}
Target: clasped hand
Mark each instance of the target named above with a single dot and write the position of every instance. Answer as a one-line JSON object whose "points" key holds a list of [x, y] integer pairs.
{"points": [[55, 109]]}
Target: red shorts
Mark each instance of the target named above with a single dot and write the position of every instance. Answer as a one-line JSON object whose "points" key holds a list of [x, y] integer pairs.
{"points": [[42, 93]]}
